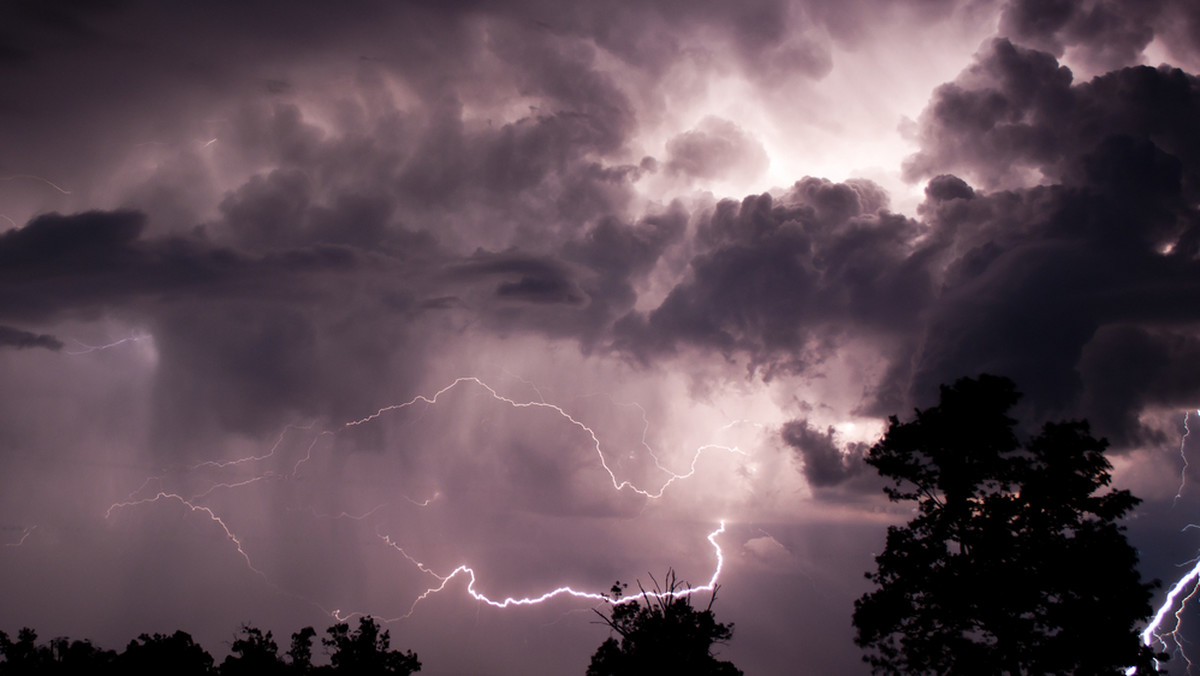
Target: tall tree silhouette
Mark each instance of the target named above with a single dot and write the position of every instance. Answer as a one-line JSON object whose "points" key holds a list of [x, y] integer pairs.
{"points": [[253, 654], [366, 651], [60, 657], [662, 634], [300, 652], [24, 655], [160, 654], [1015, 562]]}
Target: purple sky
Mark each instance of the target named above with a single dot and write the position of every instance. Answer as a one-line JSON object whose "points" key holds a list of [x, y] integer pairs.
{"points": [[713, 240]]}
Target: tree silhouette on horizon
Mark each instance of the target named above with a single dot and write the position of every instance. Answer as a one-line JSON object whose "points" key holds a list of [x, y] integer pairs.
{"points": [[363, 651], [661, 633], [366, 651], [1015, 562]]}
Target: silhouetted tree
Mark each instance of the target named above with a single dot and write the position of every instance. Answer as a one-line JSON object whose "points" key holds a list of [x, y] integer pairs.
{"points": [[301, 650], [176, 654], [59, 657], [1014, 564], [366, 651], [661, 634], [253, 653], [80, 657], [24, 656]]}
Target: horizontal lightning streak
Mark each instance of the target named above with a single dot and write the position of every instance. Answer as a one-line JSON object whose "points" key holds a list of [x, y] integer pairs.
{"points": [[617, 485], [32, 177], [560, 591], [465, 570], [96, 348], [230, 463], [345, 515], [235, 484]]}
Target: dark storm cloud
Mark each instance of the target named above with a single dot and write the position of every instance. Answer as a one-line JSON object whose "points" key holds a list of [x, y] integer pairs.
{"points": [[1016, 110], [149, 74], [581, 288], [1035, 276], [19, 339], [1030, 282], [1127, 368], [87, 262], [237, 329], [782, 280], [826, 462], [767, 39], [1109, 34], [528, 279], [1105, 34]]}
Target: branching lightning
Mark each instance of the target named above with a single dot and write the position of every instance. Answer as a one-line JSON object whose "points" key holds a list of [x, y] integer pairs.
{"points": [[560, 591], [190, 499], [229, 534], [1185, 588], [617, 485]]}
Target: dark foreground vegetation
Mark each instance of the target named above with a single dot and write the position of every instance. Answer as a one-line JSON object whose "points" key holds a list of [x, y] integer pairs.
{"points": [[1016, 562], [662, 634], [659, 634], [365, 650]]}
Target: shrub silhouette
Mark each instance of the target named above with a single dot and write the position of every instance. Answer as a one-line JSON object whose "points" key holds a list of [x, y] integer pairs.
{"points": [[661, 633]]}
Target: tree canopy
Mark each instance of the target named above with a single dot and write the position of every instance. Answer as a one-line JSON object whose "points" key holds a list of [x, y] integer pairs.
{"points": [[662, 633], [1015, 562], [363, 651], [366, 651]]}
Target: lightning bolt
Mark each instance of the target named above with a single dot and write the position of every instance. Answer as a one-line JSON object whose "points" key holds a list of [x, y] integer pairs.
{"points": [[346, 515], [1184, 589], [253, 458], [32, 177], [24, 535], [617, 485], [229, 534], [510, 601], [1183, 455], [95, 348], [464, 570], [734, 423]]}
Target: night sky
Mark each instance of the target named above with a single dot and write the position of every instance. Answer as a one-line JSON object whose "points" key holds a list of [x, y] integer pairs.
{"points": [[608, 274]]}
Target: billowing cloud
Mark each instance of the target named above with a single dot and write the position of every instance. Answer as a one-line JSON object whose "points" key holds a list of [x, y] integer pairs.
{"points": [[466, 283], [825, 461], [715, 149]]}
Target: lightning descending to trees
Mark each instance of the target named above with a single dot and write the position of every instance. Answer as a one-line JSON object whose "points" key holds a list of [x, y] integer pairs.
{"points": [[465, 570]]}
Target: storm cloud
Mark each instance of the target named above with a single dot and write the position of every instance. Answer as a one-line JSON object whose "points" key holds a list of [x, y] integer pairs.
{"points": [[551, 289]]}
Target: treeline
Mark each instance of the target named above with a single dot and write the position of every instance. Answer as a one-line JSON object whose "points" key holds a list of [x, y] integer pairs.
{"points": [[365, 650]]}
